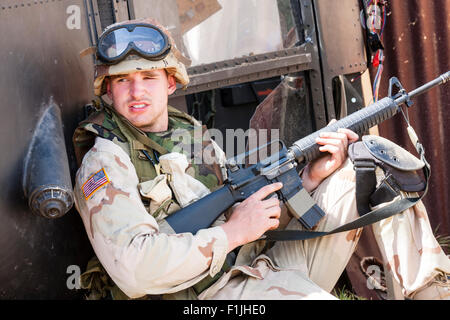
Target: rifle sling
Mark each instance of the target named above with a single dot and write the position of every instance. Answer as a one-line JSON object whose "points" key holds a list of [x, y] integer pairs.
{"points": [[365, 183], [368, 218]]}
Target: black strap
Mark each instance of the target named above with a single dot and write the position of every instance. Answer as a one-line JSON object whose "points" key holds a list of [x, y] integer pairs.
{"points": [[366, 182], [367, 219], [371, 217], [385, 192]]}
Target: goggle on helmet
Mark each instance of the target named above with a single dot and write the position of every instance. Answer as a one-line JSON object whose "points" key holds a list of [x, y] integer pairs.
{"points": [[136, 45], [145, 40]]}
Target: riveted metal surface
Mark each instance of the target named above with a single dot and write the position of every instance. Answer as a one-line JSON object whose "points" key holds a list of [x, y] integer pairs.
{"points": [[251, 68], [315, 78], [39, 60], [120, 10], [341, 37], [341, 44]]}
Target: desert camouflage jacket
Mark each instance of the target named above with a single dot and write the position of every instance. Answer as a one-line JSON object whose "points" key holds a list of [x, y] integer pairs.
{"points": [[139, 250]]}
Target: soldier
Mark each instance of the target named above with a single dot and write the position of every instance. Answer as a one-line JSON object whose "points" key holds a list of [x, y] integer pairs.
{"points": [[130, 180]]}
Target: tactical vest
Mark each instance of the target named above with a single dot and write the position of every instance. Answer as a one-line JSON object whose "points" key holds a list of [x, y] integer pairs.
{"points": [[143, 149], [108, 124]]}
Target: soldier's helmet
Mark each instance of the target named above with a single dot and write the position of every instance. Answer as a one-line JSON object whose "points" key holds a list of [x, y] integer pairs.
{"points": [[136, 45]]}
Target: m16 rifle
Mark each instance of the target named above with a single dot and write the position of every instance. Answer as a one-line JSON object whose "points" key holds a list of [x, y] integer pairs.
{"points": [[244, 180]]}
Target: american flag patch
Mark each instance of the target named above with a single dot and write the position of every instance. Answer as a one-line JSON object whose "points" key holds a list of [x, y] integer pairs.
{"points": [[95, 182]]}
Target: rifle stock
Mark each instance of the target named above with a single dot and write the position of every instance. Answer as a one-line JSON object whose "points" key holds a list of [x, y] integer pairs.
{"points": [[210, 206]]}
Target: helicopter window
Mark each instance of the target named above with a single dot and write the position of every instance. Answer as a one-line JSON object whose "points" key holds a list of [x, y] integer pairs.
{"points": [[206, 31]]}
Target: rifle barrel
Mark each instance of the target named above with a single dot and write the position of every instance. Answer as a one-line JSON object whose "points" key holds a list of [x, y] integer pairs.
{"points": [[306, 149], [443, 78]]}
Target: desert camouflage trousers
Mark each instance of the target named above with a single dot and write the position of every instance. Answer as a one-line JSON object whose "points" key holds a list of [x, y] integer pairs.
{"points": [[310, 269]]}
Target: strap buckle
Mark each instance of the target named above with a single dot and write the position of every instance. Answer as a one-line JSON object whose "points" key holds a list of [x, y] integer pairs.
{"points": [[364, 164]]}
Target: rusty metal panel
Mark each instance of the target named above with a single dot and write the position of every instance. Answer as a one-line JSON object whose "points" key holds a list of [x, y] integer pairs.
{"points": [[417, 46], [39, 63]]}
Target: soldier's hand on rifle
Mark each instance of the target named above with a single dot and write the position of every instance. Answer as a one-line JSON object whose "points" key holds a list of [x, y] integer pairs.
{"points": [[335, 144], [253, 216]]}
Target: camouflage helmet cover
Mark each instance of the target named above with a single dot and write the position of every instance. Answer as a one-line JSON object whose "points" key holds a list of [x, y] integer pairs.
{"points": [[172, 63]]}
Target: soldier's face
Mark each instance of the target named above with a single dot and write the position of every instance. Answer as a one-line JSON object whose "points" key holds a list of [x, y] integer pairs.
{"points": [[141, 97]]}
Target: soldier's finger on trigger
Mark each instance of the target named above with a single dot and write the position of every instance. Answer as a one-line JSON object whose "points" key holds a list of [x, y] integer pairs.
{"points": [[266, 190]]}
